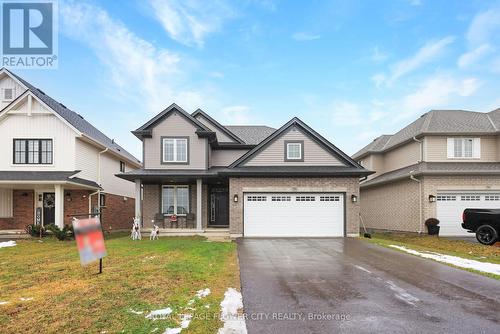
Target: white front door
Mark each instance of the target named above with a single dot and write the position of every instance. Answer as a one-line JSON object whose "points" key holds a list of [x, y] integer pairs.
{"points": [[451, 205], [293, 215]]}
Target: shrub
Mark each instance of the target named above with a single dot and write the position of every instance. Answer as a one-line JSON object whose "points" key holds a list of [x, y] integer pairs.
{"points": [[432, 222], [64, 234], [34, 230]]}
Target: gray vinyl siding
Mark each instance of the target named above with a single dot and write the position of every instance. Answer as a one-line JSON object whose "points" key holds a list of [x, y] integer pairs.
{"points": [[274, 153], [175, 125], [225, 157], [221, 137]]}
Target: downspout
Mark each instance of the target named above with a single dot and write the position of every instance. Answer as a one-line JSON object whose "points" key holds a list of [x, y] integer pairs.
{"points": [[98, 192], [419, 200]]}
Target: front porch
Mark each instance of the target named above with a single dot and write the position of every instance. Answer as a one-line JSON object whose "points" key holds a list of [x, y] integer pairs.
{"points": [[184, 205]]}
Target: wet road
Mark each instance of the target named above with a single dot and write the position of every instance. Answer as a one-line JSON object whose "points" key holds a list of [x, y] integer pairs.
{"points": [[351, 286]]}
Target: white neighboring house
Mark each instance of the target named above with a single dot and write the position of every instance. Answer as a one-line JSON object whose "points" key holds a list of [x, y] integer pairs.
{"points": [[54, 164]]}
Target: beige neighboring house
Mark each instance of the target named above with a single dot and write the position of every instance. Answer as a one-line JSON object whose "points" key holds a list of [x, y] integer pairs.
{"points": [[247, 180], [54, 164], [442, 163]]}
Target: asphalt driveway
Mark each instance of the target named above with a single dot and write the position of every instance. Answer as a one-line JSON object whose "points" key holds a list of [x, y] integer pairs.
{"points": [[350, 286]]}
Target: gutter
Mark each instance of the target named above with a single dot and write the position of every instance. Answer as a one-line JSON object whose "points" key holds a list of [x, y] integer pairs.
{"points": [[413, 178]]}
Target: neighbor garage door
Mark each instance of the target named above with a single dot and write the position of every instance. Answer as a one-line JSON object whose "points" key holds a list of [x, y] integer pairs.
{"points": [[450, 206], [293, 215]]}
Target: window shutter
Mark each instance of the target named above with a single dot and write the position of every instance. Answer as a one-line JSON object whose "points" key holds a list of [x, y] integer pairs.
{"points": [[476, 151], [451, 148]]}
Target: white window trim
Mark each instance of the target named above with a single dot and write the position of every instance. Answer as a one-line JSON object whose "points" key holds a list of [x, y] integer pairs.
{"points": [[175, 199], [476, 148], [175, 150], [288, 151]]}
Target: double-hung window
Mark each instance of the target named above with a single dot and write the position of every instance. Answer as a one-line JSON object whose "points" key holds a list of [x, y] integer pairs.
{"points": [[175, 200], [33, 151], [464, 148], [294, 151], [175, 150]]}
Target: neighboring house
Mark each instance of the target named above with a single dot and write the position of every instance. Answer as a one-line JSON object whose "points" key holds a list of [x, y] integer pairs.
{"points": [[254, 180], [442, 163], [53, 163]]}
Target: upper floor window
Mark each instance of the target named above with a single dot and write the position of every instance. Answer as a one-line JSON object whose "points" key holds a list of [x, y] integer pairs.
{"points": [[33, 151], [464, 148], [175, 150], [8, 94], [294, 151], [122, 167]]}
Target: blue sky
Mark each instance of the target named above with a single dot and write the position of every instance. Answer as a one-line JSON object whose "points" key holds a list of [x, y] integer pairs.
{"points": [[351, 69]]}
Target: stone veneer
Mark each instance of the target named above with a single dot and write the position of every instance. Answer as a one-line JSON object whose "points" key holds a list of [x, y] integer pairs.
{"points": [[349, 185]]}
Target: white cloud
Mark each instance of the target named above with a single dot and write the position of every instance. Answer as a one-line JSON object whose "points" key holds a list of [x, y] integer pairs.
{"points": [[140, 71], [426, 54], [346, 113], [471, 57], [304, 36], [415, 2], [483, 27], [378, 56], [495, 66], [237, 115], [190, 22]]}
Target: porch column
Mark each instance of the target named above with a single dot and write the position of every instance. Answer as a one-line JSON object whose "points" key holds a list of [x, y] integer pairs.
{"points": [[59, 203], [198, 204], [138, 200]]}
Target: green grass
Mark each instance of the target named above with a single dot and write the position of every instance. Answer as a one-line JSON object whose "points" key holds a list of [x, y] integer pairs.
{"points": [[464, 249], [139, 275]]}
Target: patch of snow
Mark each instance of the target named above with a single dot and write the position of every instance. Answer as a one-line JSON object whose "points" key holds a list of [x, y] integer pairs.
{"points": [[154, 329], [3, 303], [203, 293], [207, 306], [10, 243], [186, 320], [402, 294], [26, 299], [234, 323], [486, 267], [159, 314], [172, 331], [363, 269], [136, 312]]}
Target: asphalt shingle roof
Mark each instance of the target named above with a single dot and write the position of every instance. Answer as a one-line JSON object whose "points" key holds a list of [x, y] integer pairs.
{"points": [[45, 176], [437, 122], [251, 134], [77, 121]]}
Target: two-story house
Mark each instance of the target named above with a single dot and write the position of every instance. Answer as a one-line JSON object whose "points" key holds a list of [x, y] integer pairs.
{"points": [[54, 164], [442, 163], [251, 180]]}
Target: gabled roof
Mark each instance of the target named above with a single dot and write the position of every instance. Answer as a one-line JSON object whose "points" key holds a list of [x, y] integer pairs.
{"points": [[310, 132], [73, 118], [217, 125], [43, 176], [145, 130], [251, 134], [436, 122]]}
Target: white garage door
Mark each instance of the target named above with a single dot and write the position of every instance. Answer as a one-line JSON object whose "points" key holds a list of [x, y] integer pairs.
{"points": [[293, 215], [450, 206]]}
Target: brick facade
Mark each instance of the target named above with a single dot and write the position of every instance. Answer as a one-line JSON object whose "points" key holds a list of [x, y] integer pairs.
{"points": [[349, 185], [119, 212], [395, 206], [391, 206], [23, 211]]}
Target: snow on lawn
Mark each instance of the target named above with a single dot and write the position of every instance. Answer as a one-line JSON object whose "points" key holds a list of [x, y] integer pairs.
{"points": [[486, 267], [159, 314], [234, 323], [10, 243], [203, 293]]}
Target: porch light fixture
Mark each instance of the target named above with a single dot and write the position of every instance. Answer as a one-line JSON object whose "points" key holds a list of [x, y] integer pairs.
{"points": [[235, 198], [68, 197], [432, 198], [354, 198]]}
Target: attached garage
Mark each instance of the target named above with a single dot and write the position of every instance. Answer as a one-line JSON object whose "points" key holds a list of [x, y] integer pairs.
{"points": [[450, 206], [294, 215]]}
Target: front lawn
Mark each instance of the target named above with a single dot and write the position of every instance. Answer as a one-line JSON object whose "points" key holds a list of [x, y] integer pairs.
{"points": [[44, 288], [427, 243]]}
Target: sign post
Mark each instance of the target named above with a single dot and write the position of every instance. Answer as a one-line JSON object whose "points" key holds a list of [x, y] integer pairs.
{"points": [[89, 240]]}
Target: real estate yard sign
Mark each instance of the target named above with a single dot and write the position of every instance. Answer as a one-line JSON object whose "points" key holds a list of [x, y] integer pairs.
{"points": [[89, 239]]}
